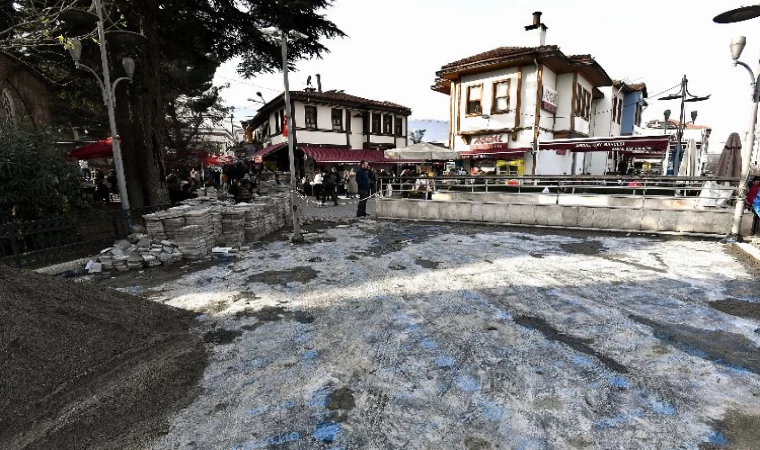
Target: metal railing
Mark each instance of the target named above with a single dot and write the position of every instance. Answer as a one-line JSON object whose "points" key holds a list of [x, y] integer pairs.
{"points": [[706, 189], [34, 244]]}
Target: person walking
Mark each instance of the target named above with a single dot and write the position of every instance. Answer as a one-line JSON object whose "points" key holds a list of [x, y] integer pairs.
{"points": [[318, 178], [363, 180], [329, 186]]}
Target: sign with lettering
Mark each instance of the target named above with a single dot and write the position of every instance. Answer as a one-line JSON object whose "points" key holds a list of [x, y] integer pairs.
{"points": [[488, 139], [632, 144], [549, 100]]}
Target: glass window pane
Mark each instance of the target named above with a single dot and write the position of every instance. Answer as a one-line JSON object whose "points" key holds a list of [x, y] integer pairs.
{"points": [[501, 104], [475, 92], [501, 89]]}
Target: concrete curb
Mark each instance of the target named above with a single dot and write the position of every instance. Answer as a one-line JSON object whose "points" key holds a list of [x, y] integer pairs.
{"points": [[748, 250], [550, 227], [57, 269]]}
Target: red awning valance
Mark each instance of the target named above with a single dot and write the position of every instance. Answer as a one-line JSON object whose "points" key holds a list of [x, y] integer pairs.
{"points": [[345, 155], [96, 150], [267, 150], [633, 145], [494, 151]]}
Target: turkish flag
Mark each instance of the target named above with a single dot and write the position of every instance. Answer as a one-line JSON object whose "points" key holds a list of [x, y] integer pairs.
{"points": [[284, 125]]}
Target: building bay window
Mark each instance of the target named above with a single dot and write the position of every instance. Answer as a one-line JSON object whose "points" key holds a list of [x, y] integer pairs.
{"points": [[475, 99], [375, 123], [500, 97], [387, 124], [310, 116], [337, 119]]}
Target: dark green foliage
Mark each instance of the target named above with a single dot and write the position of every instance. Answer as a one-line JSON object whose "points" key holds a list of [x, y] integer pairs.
{"points": [[36, 179]]}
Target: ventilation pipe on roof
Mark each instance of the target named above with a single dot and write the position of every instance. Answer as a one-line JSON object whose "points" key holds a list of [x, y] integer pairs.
{"points": [[537, 18], [319, 83]]}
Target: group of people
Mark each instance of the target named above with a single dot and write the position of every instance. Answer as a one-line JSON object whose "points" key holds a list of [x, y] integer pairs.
{"points": [[326, 185], [106, 185]]}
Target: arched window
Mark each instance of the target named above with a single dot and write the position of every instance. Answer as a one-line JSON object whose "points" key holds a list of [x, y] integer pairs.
{"points": [[8, 107]]}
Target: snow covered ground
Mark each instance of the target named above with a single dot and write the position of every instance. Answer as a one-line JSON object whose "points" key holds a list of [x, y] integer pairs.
{"points": [[380, 335]]}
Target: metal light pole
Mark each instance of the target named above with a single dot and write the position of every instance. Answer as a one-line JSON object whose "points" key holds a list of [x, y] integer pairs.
{"points": [[109, 94], [666, 115], [297, 237], [737, 47], [686, 97]]}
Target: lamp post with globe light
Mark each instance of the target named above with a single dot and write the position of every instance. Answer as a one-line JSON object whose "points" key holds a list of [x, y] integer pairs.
{"points": [[95, 14], [737, 47]]}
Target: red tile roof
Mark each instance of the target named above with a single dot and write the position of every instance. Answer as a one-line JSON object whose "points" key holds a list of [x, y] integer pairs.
{"points": [[342, 97], [500, 55], [500, 52]]}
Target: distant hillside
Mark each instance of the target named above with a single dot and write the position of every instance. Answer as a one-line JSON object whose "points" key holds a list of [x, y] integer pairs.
{"points": [[435, 130]]}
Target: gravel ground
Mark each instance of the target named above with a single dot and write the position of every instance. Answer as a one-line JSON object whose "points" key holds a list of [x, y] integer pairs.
{"points": [[83, 367], [382, 335]]}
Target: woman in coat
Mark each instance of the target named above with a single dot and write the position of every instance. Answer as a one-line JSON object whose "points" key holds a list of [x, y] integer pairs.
{"points": [[352, 185]]}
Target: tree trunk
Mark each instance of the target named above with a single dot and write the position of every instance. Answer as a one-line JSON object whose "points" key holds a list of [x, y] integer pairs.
{"points": [[125, 123], [150, 111]]}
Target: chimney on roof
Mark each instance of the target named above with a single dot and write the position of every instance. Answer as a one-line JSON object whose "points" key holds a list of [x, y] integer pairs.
{"points": [[319, 83], [538, 28]]}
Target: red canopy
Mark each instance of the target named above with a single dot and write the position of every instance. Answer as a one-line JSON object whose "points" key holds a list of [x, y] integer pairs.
{"points": [[634, 145], [260, 154], [345, 155], [99, 149], [211, 160]]}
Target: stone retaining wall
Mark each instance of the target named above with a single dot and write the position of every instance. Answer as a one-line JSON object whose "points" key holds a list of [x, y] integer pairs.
{"points": [[698, 221]]}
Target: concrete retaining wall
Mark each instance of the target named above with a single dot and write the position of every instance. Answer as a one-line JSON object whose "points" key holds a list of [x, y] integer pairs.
{"points": [[571, 199], [698, 221]]}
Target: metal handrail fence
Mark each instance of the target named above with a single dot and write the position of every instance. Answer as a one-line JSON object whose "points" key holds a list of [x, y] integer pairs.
{"points": [[33, 244], [615, 186]]}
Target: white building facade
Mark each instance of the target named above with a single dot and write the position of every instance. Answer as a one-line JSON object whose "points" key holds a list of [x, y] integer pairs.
{"points": [[513, 103], [334, 119]]}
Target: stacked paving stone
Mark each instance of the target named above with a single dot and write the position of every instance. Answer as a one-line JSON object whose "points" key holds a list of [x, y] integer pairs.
{"points": [[233, 227], [194, 242], [201, 223], [136, 252]]}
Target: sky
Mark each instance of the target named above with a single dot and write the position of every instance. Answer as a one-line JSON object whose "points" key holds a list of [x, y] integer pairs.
{"points": [[394, 48]]}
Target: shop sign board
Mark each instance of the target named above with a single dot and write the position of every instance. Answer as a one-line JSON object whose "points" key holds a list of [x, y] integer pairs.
{"points": [[549, 100]]}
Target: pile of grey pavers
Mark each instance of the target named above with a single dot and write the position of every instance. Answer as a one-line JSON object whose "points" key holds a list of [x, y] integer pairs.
{"points": [[200, 224], [136, 252]]}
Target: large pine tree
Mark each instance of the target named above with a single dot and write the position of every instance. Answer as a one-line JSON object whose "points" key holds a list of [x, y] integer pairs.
{"points": [[186, 41]]}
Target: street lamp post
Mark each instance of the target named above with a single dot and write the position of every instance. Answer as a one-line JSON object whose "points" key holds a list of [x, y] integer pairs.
{"points": [[109, 94], [686, 97], [297, 237], [737, 47], [666, 115]]}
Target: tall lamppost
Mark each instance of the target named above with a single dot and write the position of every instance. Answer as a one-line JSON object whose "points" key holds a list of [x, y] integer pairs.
{"points": [[109, 89], [666, 116], [737, 47], [686, 97], [275, 32]]}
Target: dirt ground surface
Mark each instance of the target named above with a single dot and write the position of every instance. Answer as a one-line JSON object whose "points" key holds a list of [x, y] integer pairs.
{"points": [[383, 335], [83, 367]]}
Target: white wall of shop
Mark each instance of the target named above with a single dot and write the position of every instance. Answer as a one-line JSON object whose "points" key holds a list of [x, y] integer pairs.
{"points": [[602, 124], [564, 101]]}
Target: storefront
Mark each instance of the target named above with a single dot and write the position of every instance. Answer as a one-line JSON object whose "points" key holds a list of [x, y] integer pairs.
{"points": [[600, 155], [491, 154]]}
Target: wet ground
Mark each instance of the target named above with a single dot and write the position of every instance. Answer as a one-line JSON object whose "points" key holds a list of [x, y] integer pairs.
{"points": [[381, 335]]}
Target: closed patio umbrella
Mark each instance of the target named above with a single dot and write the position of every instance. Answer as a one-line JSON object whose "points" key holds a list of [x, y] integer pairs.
{"points": [[690, 164], [730, 162]]}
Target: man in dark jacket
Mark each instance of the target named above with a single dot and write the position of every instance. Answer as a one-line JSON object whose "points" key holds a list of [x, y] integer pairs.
{"points": [[329, 184], [363, 179]]}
